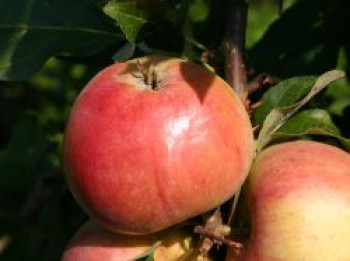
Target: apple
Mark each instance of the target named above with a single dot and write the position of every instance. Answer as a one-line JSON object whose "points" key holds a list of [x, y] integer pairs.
{"points": [[299, 194], [94, 243], [153, 142]]}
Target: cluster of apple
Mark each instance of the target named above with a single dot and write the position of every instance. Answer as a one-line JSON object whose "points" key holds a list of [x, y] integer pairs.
{"points": [[153, 142]]}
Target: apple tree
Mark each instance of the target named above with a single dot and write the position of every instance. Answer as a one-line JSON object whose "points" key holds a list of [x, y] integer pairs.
{"points": [[288, 61]]}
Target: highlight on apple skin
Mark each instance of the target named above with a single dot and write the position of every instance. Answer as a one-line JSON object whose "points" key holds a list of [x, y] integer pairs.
{"points": [[299, 194], [153, 142]]}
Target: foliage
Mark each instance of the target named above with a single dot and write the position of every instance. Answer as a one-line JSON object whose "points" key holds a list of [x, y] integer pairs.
{"points": [[50, 49], [33, 31]]}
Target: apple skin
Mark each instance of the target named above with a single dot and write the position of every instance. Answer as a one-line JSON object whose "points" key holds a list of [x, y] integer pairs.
{"points": [[299, 194], [93, 243], [139, 159]]}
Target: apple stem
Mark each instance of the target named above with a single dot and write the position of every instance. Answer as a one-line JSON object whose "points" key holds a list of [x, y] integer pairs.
{"points": [[149, 75], [234, 205], [234, 50], [234, 46]]}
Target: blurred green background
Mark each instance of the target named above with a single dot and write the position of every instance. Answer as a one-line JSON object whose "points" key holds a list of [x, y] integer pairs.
{"points": [[37, 212]]}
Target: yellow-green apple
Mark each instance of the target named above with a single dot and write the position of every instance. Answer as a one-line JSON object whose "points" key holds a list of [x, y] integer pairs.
{"points": [[94, 243], [153, 142], [299, 194]]}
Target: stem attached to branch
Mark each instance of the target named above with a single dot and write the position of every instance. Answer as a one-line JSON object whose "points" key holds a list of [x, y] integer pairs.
{"points": [[234, 45]]}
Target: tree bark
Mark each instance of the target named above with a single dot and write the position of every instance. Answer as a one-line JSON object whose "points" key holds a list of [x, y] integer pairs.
{"points": [[234, 46]]}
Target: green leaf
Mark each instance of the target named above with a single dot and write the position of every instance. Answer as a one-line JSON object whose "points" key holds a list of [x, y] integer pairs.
{"points": [[128, 16], [307, 120], [279, 116], [132, 16], [148, 255], [283, 94], [124, 53], [150, 258], [320, 132], [31, 31], [310, 122], [339, 95], [192, 48]]}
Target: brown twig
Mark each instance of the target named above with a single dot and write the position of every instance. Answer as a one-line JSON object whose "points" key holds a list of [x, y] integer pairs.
{"points": [[261, 81], [234, 50], [234, 46]]}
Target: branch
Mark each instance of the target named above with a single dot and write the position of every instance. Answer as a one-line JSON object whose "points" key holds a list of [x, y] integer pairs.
{"points": [[234, 46]]}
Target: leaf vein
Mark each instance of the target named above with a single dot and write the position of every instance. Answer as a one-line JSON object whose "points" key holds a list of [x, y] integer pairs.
{"points": [[59, 28]]}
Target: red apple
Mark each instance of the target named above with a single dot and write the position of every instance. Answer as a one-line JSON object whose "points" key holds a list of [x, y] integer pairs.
{"points": [[142, 153], [300, 202], [93, 243]]}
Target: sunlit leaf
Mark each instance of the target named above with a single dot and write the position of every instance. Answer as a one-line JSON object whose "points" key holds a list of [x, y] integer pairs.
{"points": [[278, 117], [283, 94], [132, 16], [128, 16], [308, 120]]}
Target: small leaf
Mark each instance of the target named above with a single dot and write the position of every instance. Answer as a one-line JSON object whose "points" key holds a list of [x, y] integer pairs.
{"points": [[278, 117], [191, 45], [128, 16], [283, 136], [283, 94], [339, 95], [124, 53], [308, 120], [344, 141], [150, 258], [145, 48], [132, 16], [148, 255]]}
